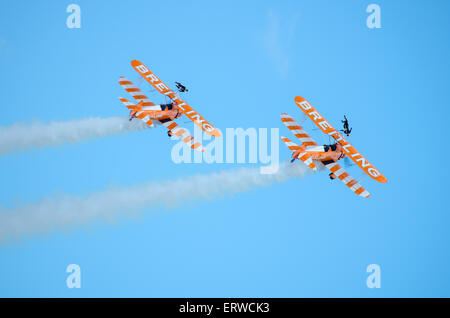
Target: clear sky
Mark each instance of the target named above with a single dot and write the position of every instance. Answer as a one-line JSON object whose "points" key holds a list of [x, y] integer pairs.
{"points": [[243, 61]]}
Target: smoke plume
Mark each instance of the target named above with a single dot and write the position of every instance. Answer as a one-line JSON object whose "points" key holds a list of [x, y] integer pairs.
{"points": [[21, 136], [70, 211]]}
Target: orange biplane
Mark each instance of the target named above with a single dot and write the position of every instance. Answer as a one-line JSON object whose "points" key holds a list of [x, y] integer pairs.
{"points": [[147, 111], [309, 151]]}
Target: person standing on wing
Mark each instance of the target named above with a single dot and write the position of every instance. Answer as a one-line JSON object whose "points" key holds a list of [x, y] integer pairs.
{"points": [[346, 129], [181, 87]]}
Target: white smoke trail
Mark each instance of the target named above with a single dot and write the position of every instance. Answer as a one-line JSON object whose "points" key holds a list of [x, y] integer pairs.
{"points": [[69, 211], [21, 136]]}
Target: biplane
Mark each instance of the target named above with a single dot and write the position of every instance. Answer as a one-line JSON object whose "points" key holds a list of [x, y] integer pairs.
{"points": [[329, 155], [165, 114]]}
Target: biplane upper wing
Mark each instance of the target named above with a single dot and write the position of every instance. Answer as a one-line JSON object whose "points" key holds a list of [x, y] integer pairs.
{"points": [[182, 133], [297, 130], [351, 152], [134, 91], [354, 185], [185, 108]]}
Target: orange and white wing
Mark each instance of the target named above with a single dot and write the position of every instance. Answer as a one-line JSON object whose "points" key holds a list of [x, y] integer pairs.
{"points": [[347, 179], [297, 130], [134, 91], [302, 156], [183, 134], [291, 145]]}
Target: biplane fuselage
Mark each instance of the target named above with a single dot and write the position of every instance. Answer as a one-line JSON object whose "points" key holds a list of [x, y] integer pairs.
{"points": [[158, 112], [321, 153]]}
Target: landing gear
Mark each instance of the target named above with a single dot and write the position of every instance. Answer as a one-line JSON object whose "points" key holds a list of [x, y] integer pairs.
{"points": [[169, 133], [332, 176]]}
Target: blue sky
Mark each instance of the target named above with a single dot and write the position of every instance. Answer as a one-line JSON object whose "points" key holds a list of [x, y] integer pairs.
{"points": [[244, 62]]}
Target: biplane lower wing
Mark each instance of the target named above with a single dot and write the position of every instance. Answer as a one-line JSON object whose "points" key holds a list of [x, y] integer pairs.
{"points": [[182, 133], [329, 130], [342, 175], [150, 77], [297, 130]]}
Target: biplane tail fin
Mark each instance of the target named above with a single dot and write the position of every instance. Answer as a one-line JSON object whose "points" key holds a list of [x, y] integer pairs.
{"points": [[136, 111], [302, 155]]}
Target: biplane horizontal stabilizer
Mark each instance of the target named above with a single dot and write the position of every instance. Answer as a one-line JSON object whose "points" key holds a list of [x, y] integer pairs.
{"points": [[303, 156]]}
